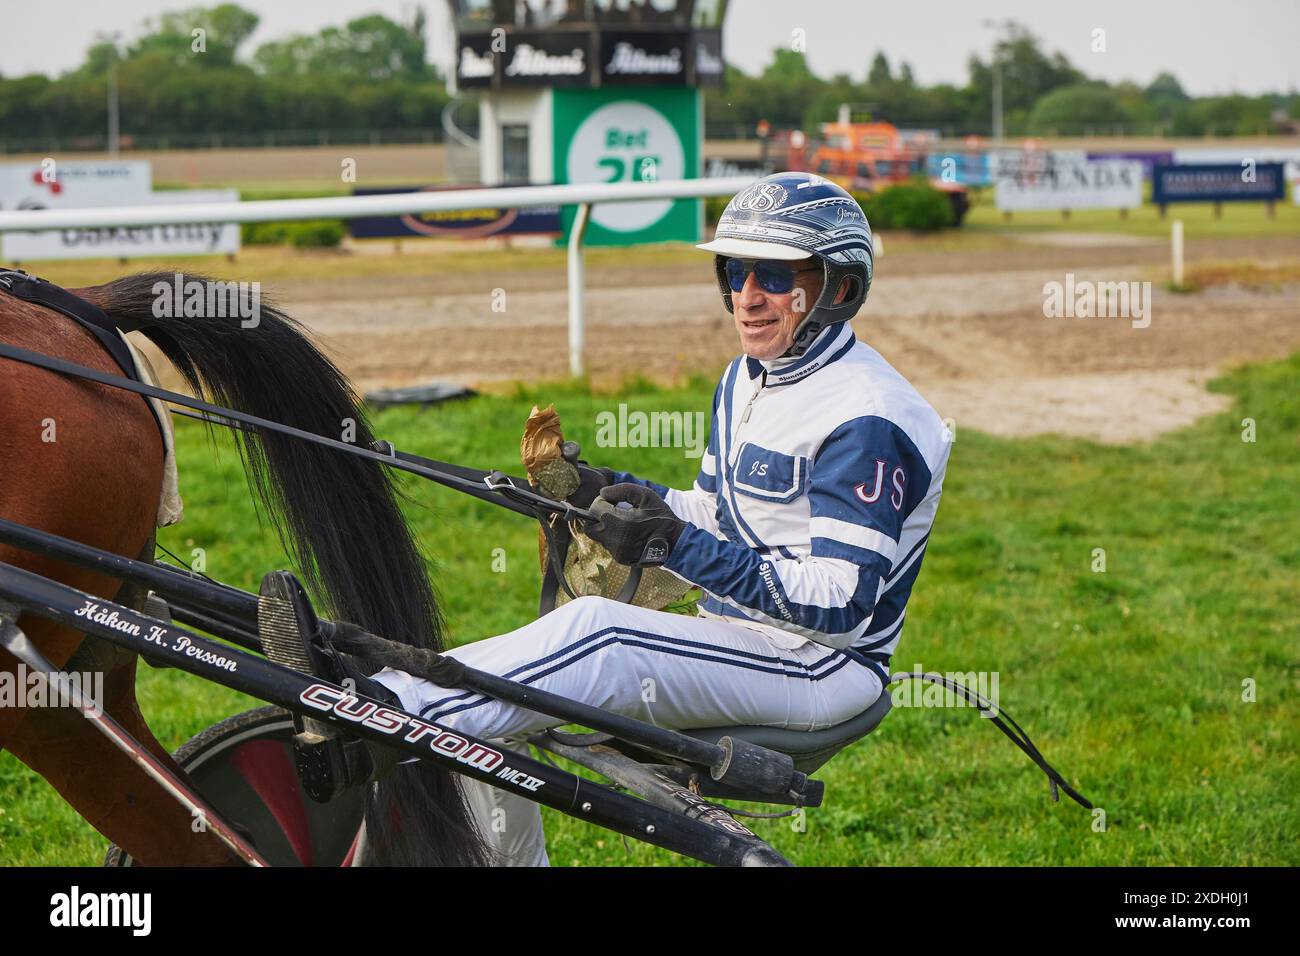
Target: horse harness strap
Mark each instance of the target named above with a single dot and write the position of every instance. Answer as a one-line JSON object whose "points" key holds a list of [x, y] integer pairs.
{"points": [[90, 316], [86, 314]]}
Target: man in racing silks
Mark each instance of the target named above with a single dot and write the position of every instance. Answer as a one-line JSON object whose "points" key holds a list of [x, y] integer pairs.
{"points": [[805, 527]]}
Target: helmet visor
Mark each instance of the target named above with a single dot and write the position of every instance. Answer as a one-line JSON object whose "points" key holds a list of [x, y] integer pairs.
{"points": [[754, 249]]}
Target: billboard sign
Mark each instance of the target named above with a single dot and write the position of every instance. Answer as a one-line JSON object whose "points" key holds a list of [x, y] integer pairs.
{"points": [[632, 58], [968, 168], [626, 135], [1104, 184], [589, 58], [533, 58], [476, 62], [717, 168], [55, 184], [1149, 160], [705, 61], [458, 223], [1030, 165], [124, 242], [1245, 181], [524, 58]]}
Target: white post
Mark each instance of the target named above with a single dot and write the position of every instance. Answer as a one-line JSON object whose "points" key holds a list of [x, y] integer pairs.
{"points": [[1177, 249], [576, 280], [114, 137], [997, 99]]}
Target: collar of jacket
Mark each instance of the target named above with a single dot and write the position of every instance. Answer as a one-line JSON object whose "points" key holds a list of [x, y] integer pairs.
{"points": [[834, 341]]}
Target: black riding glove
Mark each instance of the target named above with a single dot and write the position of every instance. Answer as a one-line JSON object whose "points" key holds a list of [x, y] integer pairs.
{"points": [[590, 481], [636, 526]]}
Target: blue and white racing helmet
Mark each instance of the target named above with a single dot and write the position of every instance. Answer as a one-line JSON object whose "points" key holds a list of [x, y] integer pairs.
{"points": [[793, 216]]}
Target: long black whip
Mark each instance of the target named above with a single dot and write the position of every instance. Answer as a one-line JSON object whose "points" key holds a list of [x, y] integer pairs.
{"points": [[490, 486]]}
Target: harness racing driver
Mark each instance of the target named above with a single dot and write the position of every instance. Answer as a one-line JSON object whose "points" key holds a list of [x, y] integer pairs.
{"points": [[805, 528]]}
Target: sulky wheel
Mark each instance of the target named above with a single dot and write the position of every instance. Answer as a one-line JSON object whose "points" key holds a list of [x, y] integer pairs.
{"points": [[244, 767]]}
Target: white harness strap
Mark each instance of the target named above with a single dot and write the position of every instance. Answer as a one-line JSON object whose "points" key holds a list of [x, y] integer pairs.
{"points": [[170, 507]]}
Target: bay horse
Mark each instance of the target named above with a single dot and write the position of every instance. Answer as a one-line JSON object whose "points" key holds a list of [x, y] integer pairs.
{"points": [[99, 482]]}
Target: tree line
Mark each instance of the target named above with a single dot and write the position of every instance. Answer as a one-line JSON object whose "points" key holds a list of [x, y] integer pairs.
{"points": [[1043, 94], [189, 73], [186, 75]]}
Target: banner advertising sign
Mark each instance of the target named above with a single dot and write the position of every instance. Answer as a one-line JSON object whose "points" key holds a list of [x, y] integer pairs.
{"points": [[586, 58], [55, 184], [705, 61], [459, 223], [1105, 184], [1148, 160], [476, 65], [625, 135], [532, 58], [1030, 165], [123, 242], [634, 58], [1289, 157], [970, 168], [1218, 182], [524, 58], [717, 168]]}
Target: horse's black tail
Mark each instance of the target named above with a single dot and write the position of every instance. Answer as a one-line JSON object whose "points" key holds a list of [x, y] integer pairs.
{"points": [[340, 519]]}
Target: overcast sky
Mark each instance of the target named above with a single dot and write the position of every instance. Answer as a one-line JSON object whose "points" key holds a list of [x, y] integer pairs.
{"points": [[1212, 46]]}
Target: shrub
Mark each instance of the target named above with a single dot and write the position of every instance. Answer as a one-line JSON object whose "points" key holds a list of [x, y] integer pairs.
{"points": [[713, 207], [316, 234], [302, 235], [264, 233], [916, 206]]}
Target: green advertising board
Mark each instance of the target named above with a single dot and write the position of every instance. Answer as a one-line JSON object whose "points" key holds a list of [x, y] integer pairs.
{"points": [[623, 135]]}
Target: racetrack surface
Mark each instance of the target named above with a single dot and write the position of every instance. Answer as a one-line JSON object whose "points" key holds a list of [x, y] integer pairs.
{"points": [[968, 329]]}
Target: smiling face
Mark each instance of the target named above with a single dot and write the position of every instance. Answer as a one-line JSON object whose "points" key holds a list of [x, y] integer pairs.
{"points": [[766, 321]]}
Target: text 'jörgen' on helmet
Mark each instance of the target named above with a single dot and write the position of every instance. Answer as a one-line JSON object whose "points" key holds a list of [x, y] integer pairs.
{"points": [[791, 216]]}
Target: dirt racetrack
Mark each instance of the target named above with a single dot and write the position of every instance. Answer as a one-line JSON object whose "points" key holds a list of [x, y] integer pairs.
{"points": [[967, 327], [968, 330]]}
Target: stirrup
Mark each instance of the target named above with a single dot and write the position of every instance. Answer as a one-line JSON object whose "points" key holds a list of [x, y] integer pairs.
{"points": [[328, 760]]}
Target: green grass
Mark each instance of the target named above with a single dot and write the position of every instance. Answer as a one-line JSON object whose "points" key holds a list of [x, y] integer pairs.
{"points": [[420, 257], [1245, 273], [1129, 680]]}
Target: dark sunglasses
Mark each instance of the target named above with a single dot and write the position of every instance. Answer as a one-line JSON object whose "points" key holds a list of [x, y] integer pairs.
{"points": [[774, 277]]}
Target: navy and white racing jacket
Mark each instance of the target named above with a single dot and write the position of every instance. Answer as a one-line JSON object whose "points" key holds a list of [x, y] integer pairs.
{"points": [[814, 501]]}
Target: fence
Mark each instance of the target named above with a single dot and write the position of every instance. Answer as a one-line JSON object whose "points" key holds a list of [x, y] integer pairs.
{"points": [[582, 195]]}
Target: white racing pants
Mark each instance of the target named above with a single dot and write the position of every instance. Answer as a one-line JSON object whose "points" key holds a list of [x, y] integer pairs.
{"points": [[671, 670]]}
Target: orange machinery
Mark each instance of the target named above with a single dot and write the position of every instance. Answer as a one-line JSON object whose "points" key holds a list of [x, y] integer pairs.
{"points": [[862, 157]]}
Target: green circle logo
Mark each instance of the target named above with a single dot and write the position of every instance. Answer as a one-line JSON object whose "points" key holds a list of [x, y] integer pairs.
{"points": [[623, 142]]}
